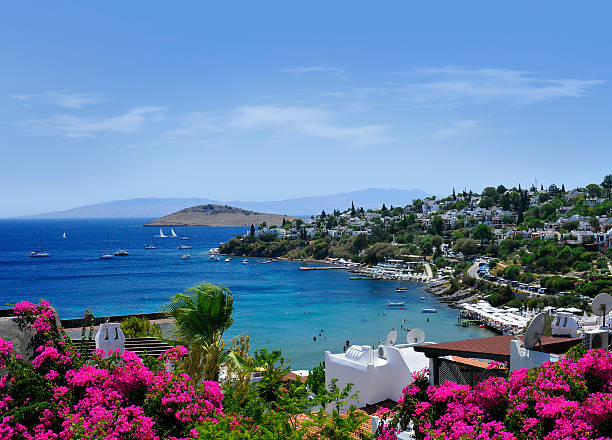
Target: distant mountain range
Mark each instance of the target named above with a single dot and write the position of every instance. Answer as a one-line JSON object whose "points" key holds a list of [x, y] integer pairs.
{"points": [[303, 206]]}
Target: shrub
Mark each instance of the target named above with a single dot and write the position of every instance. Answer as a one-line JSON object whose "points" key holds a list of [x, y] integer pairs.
{"points": [[569, 399], [134, 327]]}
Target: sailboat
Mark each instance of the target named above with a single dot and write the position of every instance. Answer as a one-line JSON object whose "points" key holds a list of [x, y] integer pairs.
{"points": [[64, 236], [161, 234], [108, 255], [40, 252], [173, 233]]}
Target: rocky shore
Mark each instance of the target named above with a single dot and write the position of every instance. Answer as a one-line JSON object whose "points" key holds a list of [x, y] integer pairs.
{"points": [[453, 300]]}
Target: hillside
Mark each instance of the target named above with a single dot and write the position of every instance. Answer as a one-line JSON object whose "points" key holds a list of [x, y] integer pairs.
{"points": [[217, 215]]}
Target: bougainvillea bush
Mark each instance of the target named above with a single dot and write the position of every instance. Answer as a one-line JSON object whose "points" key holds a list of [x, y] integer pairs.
{"points": [[66, 393], [569, 399], [63, 394]]}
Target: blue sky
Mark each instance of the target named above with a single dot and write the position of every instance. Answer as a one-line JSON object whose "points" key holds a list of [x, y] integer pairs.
{"points": [[266, 101]]}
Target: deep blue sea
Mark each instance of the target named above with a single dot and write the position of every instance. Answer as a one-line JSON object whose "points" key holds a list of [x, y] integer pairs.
{"points": [[277, 304]]}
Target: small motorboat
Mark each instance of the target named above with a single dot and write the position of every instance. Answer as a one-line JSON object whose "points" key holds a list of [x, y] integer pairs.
{"points": [[422, 298], [150, 246], [396, 304], [184, 237], [212, 257], [430, 310], [121, 253], [218, 259], [245, 261], [227, 260], [184, 246], [401, 289], [107, 256], [186, 256]]}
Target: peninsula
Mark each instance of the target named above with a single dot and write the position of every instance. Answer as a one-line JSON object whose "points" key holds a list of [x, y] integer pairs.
{"points": [[218, 215]]}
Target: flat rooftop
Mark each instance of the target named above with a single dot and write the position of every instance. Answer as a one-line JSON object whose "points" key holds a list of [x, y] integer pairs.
{"points": [[495, 347]]}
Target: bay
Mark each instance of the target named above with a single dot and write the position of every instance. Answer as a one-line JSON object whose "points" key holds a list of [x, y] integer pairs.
{"points": [[278, 305]]}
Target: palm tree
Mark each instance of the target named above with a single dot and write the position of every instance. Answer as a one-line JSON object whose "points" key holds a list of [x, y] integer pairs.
{"points": [[202, 314]]}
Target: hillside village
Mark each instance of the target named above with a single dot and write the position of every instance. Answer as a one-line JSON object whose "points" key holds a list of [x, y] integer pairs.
{"points": [[536, 238]]}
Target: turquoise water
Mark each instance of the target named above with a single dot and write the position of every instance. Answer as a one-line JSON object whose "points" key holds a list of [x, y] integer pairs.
{"points": [[277, 304]]}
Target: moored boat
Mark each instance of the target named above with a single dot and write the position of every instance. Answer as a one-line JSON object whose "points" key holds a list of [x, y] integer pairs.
{"points": [[396, 304], [40, 252], [121, 253], [430, 310], [401, 289]]}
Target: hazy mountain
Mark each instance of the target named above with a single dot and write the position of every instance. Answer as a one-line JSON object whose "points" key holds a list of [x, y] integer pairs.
{"points": [[306, 206], [303, 206]]}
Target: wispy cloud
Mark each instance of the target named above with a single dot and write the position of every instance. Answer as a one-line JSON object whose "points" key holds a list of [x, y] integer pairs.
{"points": [[454, 129], [455, 85], [61, 98], [73, 126], [336, 71], [310, 121]]}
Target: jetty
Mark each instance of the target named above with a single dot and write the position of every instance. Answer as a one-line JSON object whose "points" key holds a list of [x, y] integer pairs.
{"points": [[320, 268]]}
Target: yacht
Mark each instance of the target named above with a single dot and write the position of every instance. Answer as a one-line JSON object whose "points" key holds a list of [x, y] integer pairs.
{"points": [[186, 256], [121, 253], [108, 255], [40, 252], [396, 304], [184, 246]]}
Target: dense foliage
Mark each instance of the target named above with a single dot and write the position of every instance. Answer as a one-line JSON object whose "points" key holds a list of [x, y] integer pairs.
{"points": [[67, 394], [570, 399]]}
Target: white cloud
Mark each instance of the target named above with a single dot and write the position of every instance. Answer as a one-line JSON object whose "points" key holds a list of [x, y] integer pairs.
{"points": [[79, 126], [310, 121], [454, 129], [336, 71], [454, 85], [61, 98]]}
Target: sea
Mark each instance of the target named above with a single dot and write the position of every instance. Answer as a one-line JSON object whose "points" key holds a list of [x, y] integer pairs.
{"points": [[302, 313]]}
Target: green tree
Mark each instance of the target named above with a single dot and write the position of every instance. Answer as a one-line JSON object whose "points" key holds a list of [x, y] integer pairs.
{"points": [[201, 316], [437, 225], [607, 183], [593, 190], [467, 246], [252, 230], [436, 241], [483, 233]]}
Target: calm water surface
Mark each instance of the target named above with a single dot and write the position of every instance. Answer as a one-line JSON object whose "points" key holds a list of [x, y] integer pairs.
{"points": [[277, 304]]}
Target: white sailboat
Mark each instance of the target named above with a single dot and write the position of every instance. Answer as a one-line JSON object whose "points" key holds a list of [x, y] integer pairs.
{"points": [[64, 235], [161, 234], [107, 255], [40, 252], [173, 233]]}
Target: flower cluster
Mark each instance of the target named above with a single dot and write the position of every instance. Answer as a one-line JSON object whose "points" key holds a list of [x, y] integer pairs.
{"points": [[110, 396], [569, 399]]}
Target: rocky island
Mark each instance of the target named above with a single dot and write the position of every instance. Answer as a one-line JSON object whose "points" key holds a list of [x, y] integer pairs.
{"points": [[218, 215]]}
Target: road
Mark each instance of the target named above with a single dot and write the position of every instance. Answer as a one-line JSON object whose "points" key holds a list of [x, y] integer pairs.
{"points": [[428, 270], [473, 271]]}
